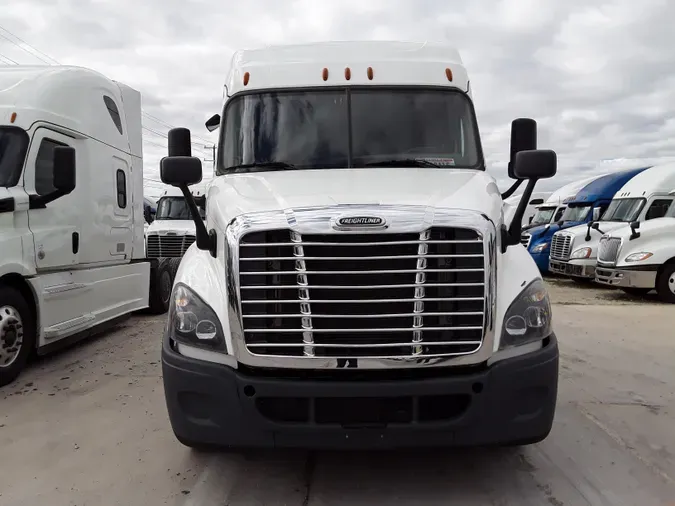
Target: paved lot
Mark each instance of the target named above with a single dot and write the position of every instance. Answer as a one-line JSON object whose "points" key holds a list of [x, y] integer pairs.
{"points": [[89, 427]]}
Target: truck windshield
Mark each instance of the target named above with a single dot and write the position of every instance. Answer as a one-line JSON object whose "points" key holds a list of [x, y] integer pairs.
{"points": [[355, 127], [174, 208], [623, 210], [13, 147], [543, 215], [576, 213]]}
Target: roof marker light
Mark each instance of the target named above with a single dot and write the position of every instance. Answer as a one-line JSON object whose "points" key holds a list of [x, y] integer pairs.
{"points": [[12, 118], [348, 74], [325, 74], [370, 73], [247, 76], [448, 74]]}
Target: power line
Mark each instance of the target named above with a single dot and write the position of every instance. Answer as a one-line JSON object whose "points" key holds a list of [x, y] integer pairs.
{"points": [[27, 44], [7, 60]]}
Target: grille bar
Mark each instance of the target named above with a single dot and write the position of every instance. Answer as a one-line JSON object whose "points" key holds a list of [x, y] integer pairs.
{"points": [[165, 246], [417, 294], [608, 250], [350, 244], [379, 345], [561, 246]]}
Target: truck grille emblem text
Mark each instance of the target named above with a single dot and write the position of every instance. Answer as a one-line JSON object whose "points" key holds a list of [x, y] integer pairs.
{"points": [[360, 221]]}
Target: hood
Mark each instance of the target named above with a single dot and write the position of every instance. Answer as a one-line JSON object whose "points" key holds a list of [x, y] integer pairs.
{"points": [[543, 230], [657, 226], [605, 226], [179, 227], [232, 195]]}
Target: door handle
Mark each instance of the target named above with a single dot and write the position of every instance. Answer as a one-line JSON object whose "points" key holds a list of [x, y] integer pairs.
{"points": [[76, 243]]}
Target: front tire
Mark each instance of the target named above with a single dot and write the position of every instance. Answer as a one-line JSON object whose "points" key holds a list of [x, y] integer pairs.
{"points": [[665, 283], [17, 334], [161, 283]]}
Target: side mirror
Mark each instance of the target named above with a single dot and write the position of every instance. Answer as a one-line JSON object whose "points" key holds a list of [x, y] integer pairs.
{"points": [[523, 138], [535, 164], [596, 214], [594, 225], [64, 169], [634, 226], [213, 122], [180, 170]]}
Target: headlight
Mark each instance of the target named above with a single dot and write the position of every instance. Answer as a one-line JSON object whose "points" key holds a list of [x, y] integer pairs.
{"points": [[528, 319], [540, 247], [638, 257], [581, 253], [191, 321]]}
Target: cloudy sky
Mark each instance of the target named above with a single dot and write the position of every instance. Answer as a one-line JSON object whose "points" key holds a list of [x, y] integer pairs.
{"points": [[598, 76]]}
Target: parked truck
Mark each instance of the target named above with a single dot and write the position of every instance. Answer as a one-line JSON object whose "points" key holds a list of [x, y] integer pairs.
{"points": [[552, 209], [511, 204], [173, 231], [643, 198], [586, 206], [354, 283], [72, 256]]}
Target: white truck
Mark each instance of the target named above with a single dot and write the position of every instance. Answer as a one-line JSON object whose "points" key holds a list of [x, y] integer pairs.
{"points": [[511, 204], [354, 284], [72, 256], [644, 197], [173, 230]]}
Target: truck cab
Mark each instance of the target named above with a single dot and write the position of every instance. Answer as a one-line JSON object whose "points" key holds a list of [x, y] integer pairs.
{"points": [[71, 209], [511, 204], [587, 205], [354, 283], [640, 257], [173, 230], [552, 209], [644, 197]]}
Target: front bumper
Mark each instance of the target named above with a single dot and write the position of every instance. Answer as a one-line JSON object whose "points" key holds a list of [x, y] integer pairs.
{"points": [[622, 277], [576, 268], [511, 402]]}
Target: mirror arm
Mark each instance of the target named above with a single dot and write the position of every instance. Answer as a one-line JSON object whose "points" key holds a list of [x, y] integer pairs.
{"points": [[41, 201], [515, 229], [513, 188], [205, 240]]}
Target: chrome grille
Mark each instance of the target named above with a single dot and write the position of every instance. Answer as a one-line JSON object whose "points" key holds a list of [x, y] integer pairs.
{"points": [[561, 246], [162, 246], [351, 295], [608, 250], [525, 240]]}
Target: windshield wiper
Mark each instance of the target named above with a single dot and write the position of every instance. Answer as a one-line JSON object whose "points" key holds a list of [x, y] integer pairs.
{"points": [[250, 167], [403, 162]]}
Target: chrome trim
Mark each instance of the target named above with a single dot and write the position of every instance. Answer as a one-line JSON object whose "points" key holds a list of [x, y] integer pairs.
{"points": [[526, 239], [604, 249], [400, 219], [561, 247]]}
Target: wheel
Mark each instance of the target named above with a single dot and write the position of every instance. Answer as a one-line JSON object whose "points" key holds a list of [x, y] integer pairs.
{"points": [[665, 283], [161, 283], [636, 292], [17, 334]]}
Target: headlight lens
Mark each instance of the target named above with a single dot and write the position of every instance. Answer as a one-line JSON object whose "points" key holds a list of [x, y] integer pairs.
{"points": [[638, 257], [191, 321], [581, 253], [540, 247], [528, 319]]}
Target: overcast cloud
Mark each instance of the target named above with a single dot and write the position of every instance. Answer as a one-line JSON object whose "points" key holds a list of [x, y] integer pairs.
{"points": [[598, 76]]}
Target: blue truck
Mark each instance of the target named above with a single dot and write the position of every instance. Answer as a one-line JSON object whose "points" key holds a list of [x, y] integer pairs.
{"points": [[586, 206]]}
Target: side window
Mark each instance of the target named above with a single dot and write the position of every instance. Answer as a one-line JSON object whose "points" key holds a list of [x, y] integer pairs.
{"points": [[121, 189], [658, 209], [44, 167], [114, 112]]}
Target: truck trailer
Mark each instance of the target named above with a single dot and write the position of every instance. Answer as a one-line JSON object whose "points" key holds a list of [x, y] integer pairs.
{"points": [[354, 283]]}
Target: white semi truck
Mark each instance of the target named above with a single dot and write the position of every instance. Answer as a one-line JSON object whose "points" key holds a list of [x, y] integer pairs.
{"points": [[72, 258], [511, 204], [354, 283], [645, 197], [173, 230]]}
